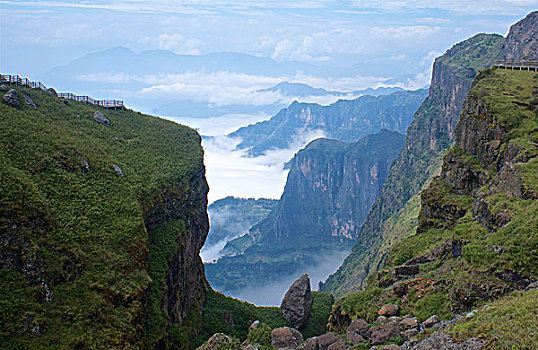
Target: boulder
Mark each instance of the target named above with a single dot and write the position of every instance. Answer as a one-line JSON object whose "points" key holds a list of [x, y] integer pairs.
{"points": [[255, 324], [326, 339], [431, 321], [4, 88], [311, 344], [11, 98], [390, 347], [297, 303], [384, 332], [409, 322], [29, 101], [357, 331], [410, 333], [381, 319], [286, 338], [118, 170], [100, 118], [340, 344], [216, 341], [388, 310]]}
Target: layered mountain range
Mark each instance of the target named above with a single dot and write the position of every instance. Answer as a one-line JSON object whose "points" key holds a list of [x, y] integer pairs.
{"points": [[344, 120]]}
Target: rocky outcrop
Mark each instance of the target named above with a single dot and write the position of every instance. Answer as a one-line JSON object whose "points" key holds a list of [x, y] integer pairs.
{"points": [[29, 101], [101, 119], [286, 338], [521, 43], [11, 98], [216, 342], [297, 303]]}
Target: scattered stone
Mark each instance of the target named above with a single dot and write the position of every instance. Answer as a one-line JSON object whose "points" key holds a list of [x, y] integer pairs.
{"points": [[297, 303], [381, 319], [390, 347], [389, 310], [286, 338], [410, 333], [394, 319], [118, 170], [52, 92], [384, 332], [431, 321], [410, 322], [100, 118], [311, 344], [29, 101], [326, 339], [11, 98], [357, 331], [4, 88], [86, 165], [340, 344], [216, 341], [255, 324]]}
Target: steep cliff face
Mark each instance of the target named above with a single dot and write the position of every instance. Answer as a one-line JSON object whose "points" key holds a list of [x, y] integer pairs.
{"points": [[521, 43], [100, 228], [427, 138], [330, 188], [476, 238], [344, 120]]}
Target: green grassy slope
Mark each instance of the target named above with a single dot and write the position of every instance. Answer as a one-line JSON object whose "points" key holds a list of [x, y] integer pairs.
{"points": [[76, 264]]}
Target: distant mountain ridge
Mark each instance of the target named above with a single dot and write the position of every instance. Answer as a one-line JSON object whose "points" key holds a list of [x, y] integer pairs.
{"points": [[345, 120]]}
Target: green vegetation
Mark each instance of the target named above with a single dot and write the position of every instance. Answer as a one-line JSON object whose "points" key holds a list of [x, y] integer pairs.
{"points": [[508, 323], [321, 310], [78, 228]]}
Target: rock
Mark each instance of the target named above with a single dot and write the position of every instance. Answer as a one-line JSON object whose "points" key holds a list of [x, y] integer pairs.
{"points": [[286, 338], [400, 289], [248, 346], [410, 322], [311, 344], [431, 321], [389, 310], [85, 165], [255, 324], [381, 319], [357, 331], [384, 332], [405, 271], [115, 138], [533, 285], [410, 333], [390, 347], [52, 92], [11, 98], [326, 339], [394, 319], [297, 303], [118, 170], [29, 101], [340, 344], [100, 118], [4, 88], [216, 341]]}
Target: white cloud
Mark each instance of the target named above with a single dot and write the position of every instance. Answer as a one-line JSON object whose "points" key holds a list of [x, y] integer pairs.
{"points": [[179, 44], [405, 32], [398, 57], [429, 58]]}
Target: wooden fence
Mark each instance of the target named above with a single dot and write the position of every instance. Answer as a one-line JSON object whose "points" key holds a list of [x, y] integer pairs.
{"points": [[15, 79]]}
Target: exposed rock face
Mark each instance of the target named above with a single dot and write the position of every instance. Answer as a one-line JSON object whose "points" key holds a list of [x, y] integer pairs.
{"points": [[297, 303], [428, 137], [216, 341], [29, 101], [101, 119], [286, 338], [344, 120], [521, 43], [11, 98], [4, 88]]}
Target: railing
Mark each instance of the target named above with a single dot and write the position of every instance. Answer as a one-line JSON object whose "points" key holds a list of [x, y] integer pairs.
{"points": [[516, 65], [15, 79]]}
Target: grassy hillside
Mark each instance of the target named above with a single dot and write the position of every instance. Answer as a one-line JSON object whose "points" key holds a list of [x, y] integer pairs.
{"points": [[75, 260], [477, 234]]}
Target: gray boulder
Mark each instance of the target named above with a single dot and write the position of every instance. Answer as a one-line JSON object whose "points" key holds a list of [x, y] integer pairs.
{"points": [[118, 170], [100, 118], [327, 339], [357, 331], [384, 332], [388, 310], [297, 303], [11, 98], [431, 321], [286, 338], [29, 101], [4, 88]]}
